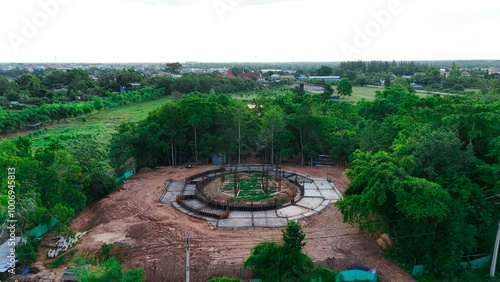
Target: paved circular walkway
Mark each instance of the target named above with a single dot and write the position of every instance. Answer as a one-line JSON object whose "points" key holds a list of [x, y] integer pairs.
{"points": [[318, 194]]}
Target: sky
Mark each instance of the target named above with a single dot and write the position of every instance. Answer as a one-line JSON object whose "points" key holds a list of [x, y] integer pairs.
{"points": [[112, 31]]}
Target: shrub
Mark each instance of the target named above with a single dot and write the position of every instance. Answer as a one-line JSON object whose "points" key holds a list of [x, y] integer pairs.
{"points": [[28, 251]]}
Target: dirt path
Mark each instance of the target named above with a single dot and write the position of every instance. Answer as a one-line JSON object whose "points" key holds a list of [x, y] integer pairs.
{"points": [[26, 131], [157, 233]]}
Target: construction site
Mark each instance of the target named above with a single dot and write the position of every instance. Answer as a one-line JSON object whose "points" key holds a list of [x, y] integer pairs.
{"points": [[153, 211]]}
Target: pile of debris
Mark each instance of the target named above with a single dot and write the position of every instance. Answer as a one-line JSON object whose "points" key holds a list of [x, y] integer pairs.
{"points": [[63, 244]]}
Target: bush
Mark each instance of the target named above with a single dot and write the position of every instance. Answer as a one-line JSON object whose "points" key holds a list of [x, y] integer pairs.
{"points": [[59, 261], [28, 252]]}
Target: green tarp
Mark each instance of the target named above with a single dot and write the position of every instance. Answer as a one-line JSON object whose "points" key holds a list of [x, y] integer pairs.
{"points": [[125, 176], [41, 229], [356, 275], [477, 263]]}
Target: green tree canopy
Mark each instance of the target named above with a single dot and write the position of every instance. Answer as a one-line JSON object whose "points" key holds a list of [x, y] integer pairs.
{"points": [[344, 87]]}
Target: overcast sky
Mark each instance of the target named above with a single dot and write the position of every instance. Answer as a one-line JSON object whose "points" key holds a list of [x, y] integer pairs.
{"points": [[247, 30]]}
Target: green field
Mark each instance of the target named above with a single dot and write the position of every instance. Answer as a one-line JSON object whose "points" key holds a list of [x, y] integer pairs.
{"points": [[359, 92], [368, 93], [101, 125]]}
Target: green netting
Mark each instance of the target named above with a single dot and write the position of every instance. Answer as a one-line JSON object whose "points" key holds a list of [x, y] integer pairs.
{"points": [[477, 263], [418, 270], [41, 229], [474, 264], [128, 174], [356, 275], [125, 176]]}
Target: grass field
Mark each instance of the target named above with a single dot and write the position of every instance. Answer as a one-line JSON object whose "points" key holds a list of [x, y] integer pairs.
{"points": [[101, 124], [359, 92], [250, 187], [368, 93]]}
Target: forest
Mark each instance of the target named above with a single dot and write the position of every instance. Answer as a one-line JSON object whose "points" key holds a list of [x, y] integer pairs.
{"points": [[50, 95]]}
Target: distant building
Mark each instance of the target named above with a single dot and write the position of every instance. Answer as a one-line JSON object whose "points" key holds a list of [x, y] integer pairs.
{"points": [[229, 74], [406, 76], [465, 73], [309, 88], [59, 87], [16, 104], [249, 75], [493, 71], [278, 77], [270, 70], [414, 85], [328, 78]]}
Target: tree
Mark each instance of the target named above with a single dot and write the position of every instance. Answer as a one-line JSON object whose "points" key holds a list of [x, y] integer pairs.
{"points": [[324, 71], [199, 110], [173, 68], [109, 270], [272, 125], [387, 81], [293, 237], [28, 251], [344, 88], [121, 147], [4, 85], [274, 262], [402, 83]]}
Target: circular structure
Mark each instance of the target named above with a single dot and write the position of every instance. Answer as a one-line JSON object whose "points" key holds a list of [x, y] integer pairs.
{"points": [[251, 189], [250, 196]]}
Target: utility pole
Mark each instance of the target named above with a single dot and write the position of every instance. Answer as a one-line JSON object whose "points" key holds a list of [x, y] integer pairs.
{"points": [[187, 258], [495, 253]]}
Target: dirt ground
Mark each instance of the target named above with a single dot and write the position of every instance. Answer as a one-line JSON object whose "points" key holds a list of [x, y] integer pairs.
{"points": [[157, 233]]}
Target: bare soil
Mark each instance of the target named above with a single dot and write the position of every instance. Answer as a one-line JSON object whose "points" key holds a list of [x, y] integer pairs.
{"points": [[157, 233]]}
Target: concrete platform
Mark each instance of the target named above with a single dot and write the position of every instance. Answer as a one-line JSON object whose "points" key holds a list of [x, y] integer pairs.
{"points": [[291, 211], [195, 204], [190, 188], [310, 186], [313, 193], [171, 191], [323, 184], [271, 213], [235, 223], [239, 214], [330, 195], [310, 203]]}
